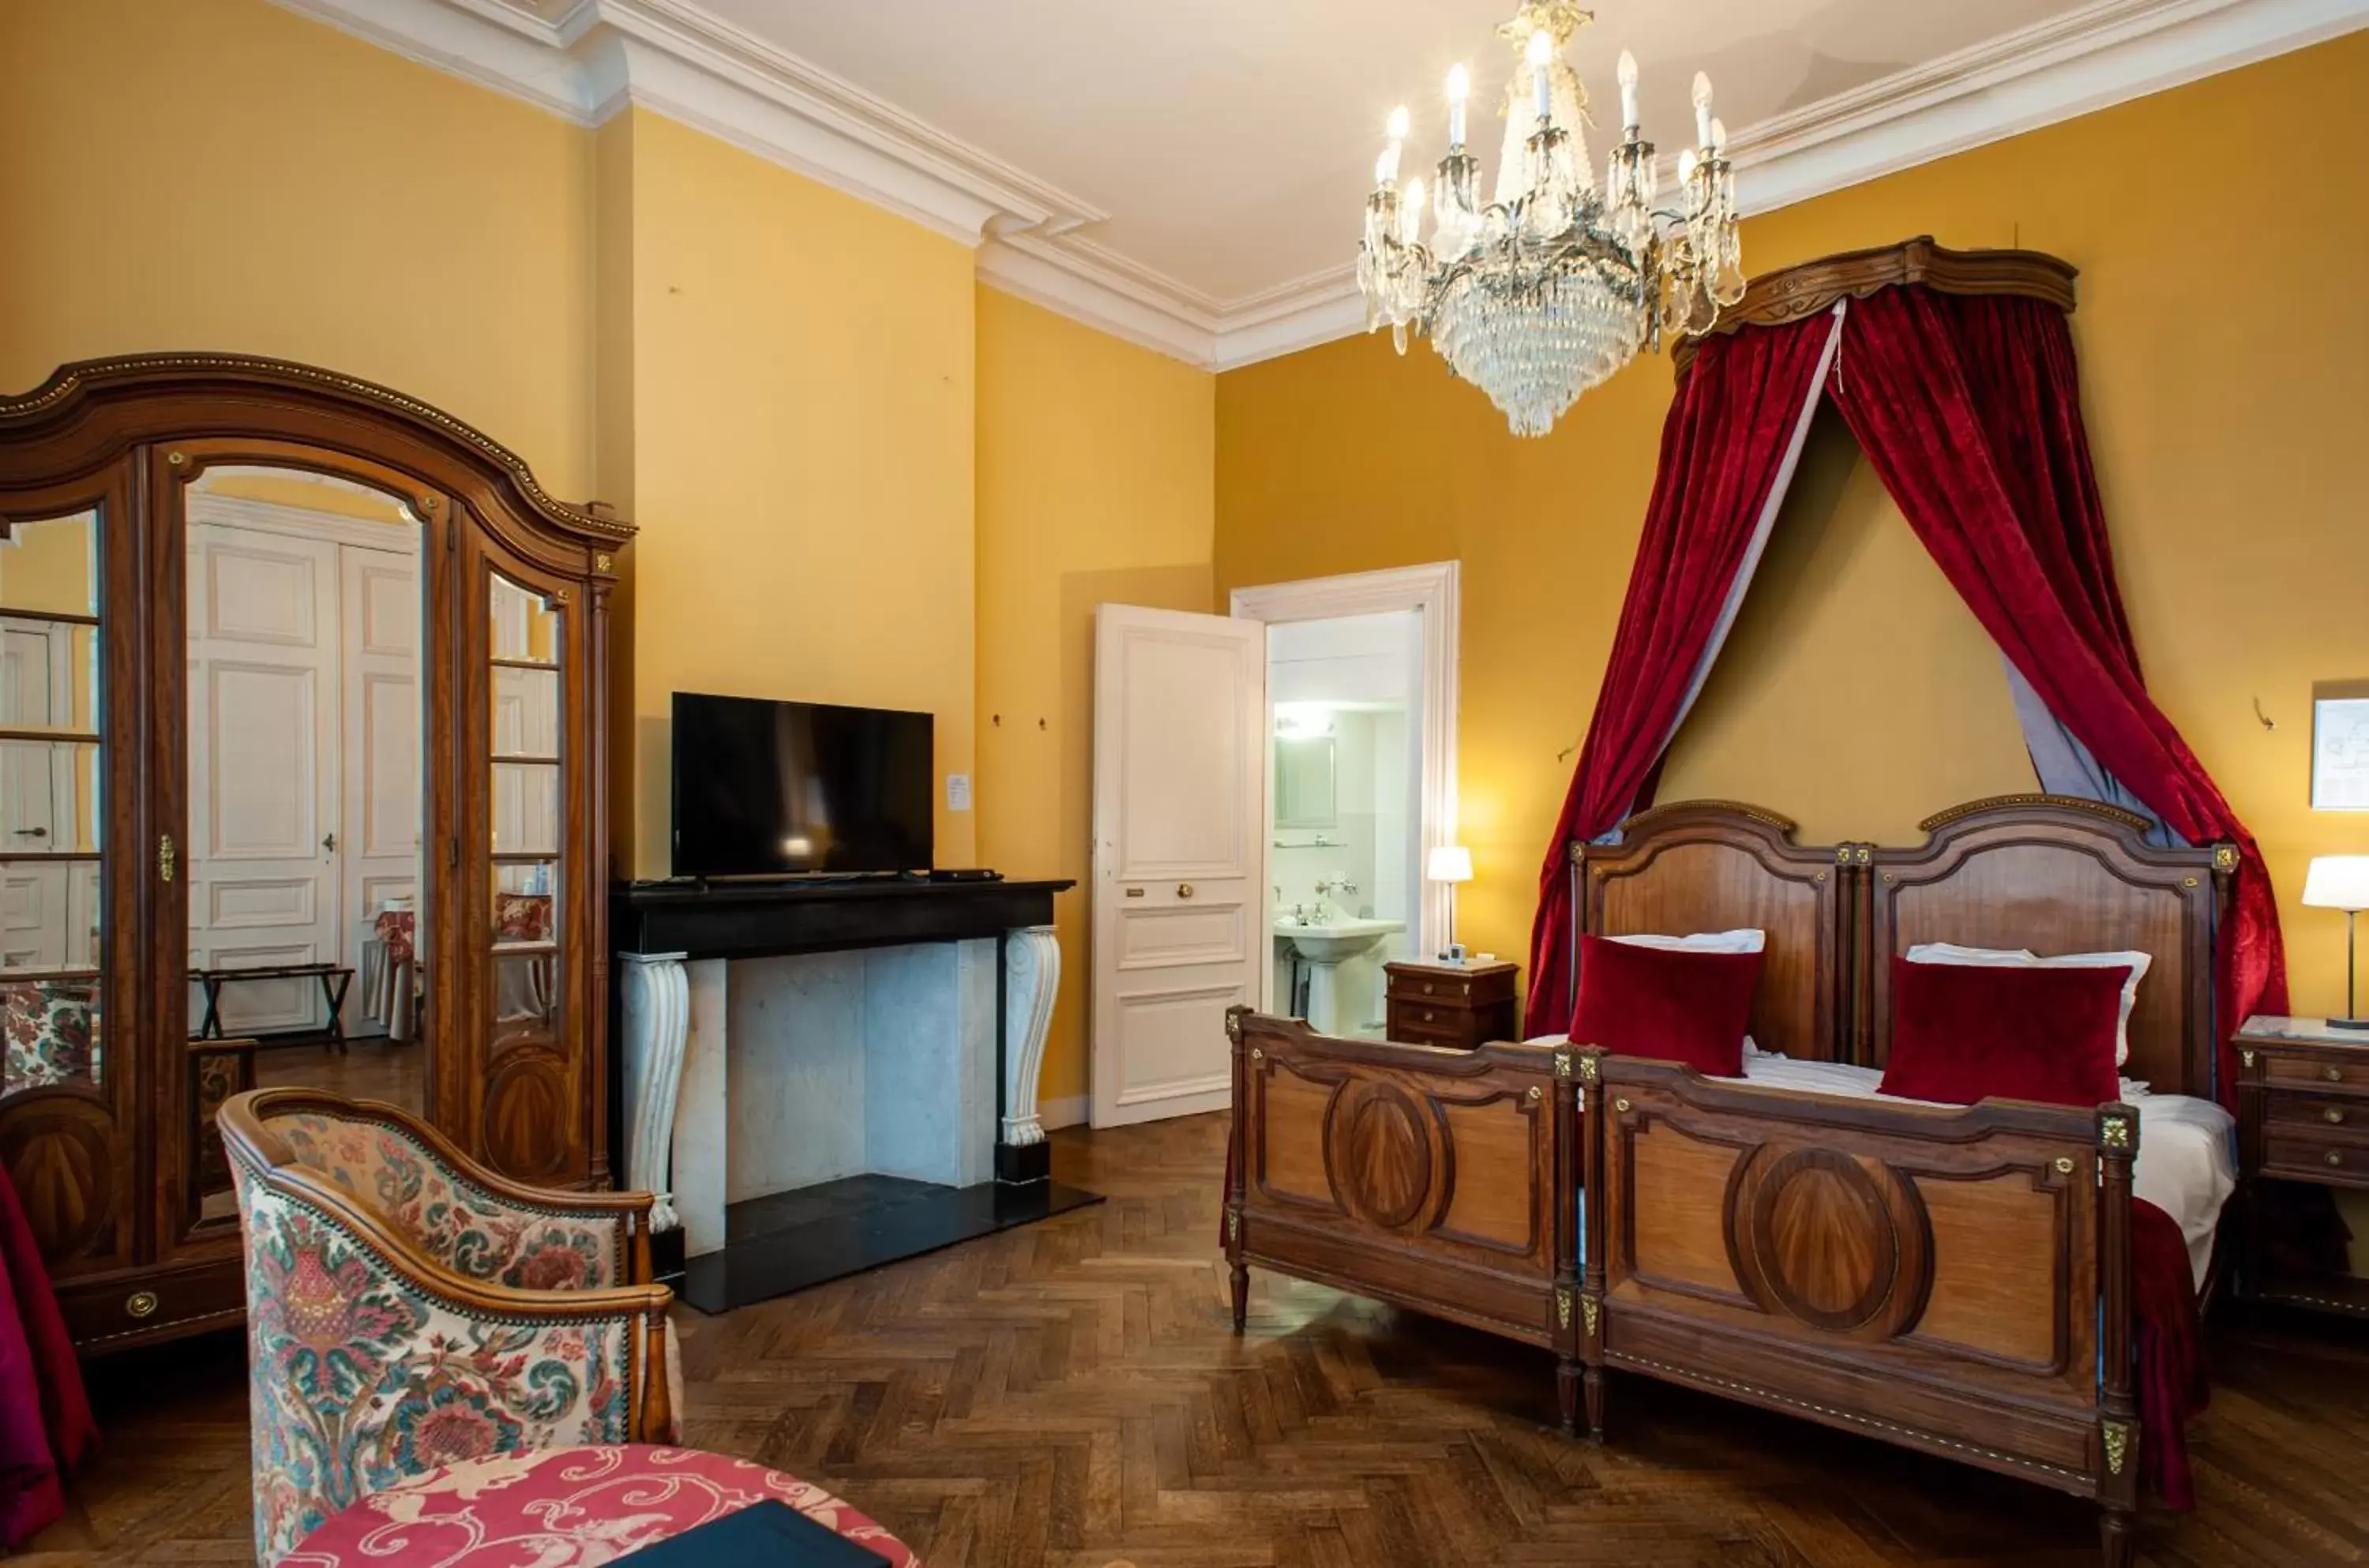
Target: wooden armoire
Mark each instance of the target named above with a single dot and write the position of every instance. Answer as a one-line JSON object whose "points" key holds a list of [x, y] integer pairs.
{"points": [[160, 579]]}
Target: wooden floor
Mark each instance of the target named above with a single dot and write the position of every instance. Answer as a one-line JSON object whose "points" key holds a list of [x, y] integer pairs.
{"points": [[1071, 1394]]}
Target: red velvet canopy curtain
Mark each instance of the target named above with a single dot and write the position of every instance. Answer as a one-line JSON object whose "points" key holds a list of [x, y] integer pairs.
{"points": [[1723, 447], [1970, 410]]}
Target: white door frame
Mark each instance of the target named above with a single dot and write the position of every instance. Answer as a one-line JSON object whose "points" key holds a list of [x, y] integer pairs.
{"points": [[1433, 590]]}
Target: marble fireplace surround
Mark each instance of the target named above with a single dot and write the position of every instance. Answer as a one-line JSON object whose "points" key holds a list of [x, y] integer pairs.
{"points": [[790, 1043]]}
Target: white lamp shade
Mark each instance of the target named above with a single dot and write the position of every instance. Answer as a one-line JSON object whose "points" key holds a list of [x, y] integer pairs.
{"points": [[2334, 882], [1452, 862]]}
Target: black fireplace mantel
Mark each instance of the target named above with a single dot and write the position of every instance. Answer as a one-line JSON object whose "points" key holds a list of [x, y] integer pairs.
{"points": [[761, 920]]}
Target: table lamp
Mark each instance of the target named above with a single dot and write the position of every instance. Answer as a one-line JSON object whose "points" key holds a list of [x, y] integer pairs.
{"points": [[1452, 864], [2337, 882]]}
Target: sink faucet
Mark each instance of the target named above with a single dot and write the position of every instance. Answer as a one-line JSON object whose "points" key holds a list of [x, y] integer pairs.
{"points": [[1335, 885]]}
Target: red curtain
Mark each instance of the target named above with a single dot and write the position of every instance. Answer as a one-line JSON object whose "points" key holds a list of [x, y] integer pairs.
{"points": [[46, 1430], [1970, 410], [1723, 447]]}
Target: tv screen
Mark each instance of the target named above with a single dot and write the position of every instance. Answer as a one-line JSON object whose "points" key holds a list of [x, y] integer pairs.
{"points": [[764, 788]]}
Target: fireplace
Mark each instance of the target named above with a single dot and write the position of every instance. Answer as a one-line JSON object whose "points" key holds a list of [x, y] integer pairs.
{"points": [[823, 1077]]}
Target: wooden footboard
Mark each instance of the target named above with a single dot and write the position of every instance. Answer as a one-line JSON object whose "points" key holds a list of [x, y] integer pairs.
{"points": [[1951, 1280], [1438, 1179]]}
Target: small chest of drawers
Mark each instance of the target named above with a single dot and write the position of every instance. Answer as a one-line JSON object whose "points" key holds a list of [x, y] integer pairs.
{"points": [[1462, 1005], [2303, 1116]]}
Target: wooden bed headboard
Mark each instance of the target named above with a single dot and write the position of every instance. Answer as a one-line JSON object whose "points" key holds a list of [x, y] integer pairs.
{"points": [[2057, 875], [1714, 866]]}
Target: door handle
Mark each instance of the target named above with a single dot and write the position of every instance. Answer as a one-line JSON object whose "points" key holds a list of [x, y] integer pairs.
{"points": [[1183, 889], [31, 833], [330, 844]]}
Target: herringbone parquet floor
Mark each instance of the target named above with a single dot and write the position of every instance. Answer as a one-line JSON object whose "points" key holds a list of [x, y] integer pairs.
{"points": [[1071, 1395]]}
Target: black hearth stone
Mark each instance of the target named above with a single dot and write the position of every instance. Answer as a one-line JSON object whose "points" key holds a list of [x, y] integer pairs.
{"points": [[805, 1237]]}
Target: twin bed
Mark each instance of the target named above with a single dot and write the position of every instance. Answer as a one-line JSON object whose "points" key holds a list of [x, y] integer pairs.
{"points": [[1958, 1279]]}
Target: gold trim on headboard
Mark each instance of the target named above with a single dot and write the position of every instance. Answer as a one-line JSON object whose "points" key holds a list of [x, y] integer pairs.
{"points": [[2113, 813], [1785, 825]]}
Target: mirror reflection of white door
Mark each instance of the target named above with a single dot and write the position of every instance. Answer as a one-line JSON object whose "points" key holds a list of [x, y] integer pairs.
{"points": [[379, 641], [37, 816], [1180, 708], [263, 685]]}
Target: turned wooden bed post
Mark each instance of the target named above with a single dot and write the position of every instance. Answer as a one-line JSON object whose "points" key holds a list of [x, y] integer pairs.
{"points": [[2118, 1426], [1564, 1127], [1239, 1273], [1592, 1129]]}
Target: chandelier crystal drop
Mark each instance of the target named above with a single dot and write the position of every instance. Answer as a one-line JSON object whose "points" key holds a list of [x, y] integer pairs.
{"points": [[1551, 285]]}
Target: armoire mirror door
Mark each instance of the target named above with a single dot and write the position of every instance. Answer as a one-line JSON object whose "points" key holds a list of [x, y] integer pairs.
{"points": [[69, 752], [528, 809], [305, 621]]}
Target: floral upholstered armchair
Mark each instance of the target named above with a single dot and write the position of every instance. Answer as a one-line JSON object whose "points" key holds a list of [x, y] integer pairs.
{"points": [[407, 1308]]}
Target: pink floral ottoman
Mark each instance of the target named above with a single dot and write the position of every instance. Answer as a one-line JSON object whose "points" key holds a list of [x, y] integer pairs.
{"points": [[565, 1509]]}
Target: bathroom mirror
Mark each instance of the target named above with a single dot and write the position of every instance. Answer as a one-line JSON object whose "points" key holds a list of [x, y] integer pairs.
{"points": [[1303, 782]]}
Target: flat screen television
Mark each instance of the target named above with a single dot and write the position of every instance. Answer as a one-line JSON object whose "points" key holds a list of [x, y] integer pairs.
{"points": [[764, 788]]}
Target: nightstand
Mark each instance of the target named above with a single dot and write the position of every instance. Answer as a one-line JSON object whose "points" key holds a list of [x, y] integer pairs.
{"points": [[2303, 1116], [1464, 1005]]}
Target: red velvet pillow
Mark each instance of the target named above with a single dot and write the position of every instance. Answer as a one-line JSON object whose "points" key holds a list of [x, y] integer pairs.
{"points": [[1960, 1031], [1673, 1005]]}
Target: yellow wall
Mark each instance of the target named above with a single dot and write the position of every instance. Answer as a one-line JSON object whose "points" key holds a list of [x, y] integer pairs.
{"points": [[774, 380], [803, 426], [230, 176], [1096, 464], [2222, 377]]}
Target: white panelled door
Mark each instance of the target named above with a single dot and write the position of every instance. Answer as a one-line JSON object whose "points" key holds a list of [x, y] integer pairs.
{"points": [[263, 767], [378, 850], [1179, 911]]}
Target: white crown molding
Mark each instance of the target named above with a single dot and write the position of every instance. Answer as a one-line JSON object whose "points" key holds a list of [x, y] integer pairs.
{"points": [[2103, 54], [585, 59]]}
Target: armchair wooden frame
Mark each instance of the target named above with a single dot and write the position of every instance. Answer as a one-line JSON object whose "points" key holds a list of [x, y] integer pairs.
{"points": [[1955, 1280], [250, 1140]]}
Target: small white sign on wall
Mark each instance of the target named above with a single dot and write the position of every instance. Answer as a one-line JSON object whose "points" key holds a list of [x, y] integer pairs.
{"points": [[958, 792], [2340, 746]]}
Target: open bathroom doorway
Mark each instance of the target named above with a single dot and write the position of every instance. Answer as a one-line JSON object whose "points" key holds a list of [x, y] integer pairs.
{"points": [[1361, 783]]}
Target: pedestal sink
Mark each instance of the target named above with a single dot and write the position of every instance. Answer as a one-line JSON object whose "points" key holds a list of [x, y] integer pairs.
{"points": [[1322, 945]]}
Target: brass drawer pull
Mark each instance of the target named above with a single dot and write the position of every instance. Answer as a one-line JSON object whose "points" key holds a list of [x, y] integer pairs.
{"points": [[1621, 1104], [2333, 1073], [1427, 1016], [2064, 1164], [141, 1304], [2336, 1157], [2333, 1113], [1427, 987]]}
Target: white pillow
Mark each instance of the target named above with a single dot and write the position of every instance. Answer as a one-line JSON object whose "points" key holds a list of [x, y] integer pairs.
{"points": [[1747, 939], [2024, 957]]}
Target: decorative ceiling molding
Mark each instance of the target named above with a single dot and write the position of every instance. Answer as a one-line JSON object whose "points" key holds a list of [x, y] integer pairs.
{"points": [[585, 59]]}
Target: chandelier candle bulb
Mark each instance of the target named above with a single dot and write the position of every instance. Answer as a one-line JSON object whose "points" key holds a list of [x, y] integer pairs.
{"points": [[1459, 88], [1541, 53], [1629, 116], [1717, 137], [1702, 109]]}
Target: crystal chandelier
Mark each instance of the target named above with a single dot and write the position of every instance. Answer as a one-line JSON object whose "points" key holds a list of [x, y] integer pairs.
{"points": [[1551, 286]]}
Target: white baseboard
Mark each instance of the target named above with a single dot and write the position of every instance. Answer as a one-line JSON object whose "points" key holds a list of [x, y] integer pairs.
{"points": [[1068, 1112]]}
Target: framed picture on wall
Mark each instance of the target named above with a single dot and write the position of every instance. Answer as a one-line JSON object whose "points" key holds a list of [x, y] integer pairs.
{"points": [[2340, 746]]}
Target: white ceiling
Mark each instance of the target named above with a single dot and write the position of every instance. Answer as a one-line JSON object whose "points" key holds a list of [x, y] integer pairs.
{"points": [[1189, 173], [1232, 141]]}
